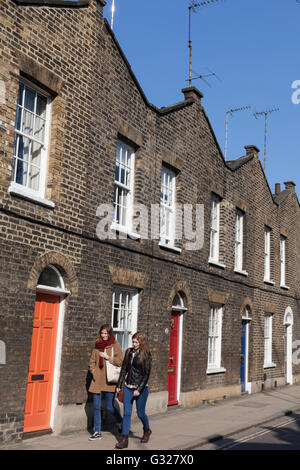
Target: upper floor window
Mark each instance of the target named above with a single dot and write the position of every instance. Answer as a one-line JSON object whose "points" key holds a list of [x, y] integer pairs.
{"points": [[214, 228], [31, 139], [239, 243], [239, 222], [282, 261], [123, 189], [124, 315], [267, 256], [167, 206]]}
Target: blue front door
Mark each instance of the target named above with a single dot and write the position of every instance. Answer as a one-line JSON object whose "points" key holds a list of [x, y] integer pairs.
{"points": [[243, 356]]}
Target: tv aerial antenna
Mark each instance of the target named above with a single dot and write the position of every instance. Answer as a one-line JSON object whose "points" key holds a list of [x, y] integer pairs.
{"points": [[203, 77], [265, 113], [193, 7], [230, 113]]}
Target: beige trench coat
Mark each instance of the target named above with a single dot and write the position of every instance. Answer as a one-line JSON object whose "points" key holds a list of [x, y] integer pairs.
{"points": [[99, 383]]}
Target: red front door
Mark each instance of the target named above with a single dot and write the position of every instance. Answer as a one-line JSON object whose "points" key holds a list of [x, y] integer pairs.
{"points": [[173, 360], [41, 366]]}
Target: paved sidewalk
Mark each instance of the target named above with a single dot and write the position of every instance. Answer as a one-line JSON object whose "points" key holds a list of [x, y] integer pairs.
{"points": [[183, 429]]}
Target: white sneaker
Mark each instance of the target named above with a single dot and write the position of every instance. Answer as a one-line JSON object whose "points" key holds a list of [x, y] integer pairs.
{"points": [[95, 436]]}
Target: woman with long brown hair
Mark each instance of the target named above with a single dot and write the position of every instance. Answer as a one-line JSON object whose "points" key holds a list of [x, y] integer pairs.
{"points": [[106, 349], [136, 371]]}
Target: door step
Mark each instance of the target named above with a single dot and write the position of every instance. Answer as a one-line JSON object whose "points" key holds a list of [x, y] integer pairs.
{"points": [[171, 408], [30, 435]]}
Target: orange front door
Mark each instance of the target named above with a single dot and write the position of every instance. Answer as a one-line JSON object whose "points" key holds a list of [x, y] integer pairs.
{"points": [[173, 360], [41, 366]]}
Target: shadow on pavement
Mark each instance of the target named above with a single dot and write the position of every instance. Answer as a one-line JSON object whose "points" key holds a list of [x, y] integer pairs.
{"points": [[282, 436]]}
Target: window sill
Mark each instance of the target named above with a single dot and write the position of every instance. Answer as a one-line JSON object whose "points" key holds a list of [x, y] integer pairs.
{"points": [[242, 272], [18, 190], [269, 366], [216, 263], [169, 247], [268, 281], [125, 231], [284, 287], [217, 370]]}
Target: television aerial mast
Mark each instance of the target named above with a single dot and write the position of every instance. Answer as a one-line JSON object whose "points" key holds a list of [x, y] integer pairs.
{"points": [[112, 14], [230, 112], [193, 8], [265, 113]]}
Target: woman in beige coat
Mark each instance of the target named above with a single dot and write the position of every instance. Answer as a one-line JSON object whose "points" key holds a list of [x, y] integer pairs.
{"points": [[106, 349]]}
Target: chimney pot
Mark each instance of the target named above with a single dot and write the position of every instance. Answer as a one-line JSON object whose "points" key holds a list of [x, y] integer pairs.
{"points": [[277, 188]]}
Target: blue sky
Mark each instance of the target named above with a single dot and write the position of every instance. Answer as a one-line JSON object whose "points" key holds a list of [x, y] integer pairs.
{"points": [[252, 45]]}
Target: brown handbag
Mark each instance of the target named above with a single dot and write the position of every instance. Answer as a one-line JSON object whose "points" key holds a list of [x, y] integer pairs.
{"points": [[121, 392]]}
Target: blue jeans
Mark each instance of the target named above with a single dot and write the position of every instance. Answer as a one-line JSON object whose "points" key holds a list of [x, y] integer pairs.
{"points": [[109, 401], [140, 401]]}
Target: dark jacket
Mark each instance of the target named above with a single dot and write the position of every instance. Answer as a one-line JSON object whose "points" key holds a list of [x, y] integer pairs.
{"points": [[134, 373]]}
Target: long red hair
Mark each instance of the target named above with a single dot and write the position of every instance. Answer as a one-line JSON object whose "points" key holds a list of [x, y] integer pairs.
{"points": [[143, 348]]}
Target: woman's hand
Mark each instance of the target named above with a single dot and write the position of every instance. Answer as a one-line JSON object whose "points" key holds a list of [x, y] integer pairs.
{"points": [[104, 355], [118, 390], [136, 393]]}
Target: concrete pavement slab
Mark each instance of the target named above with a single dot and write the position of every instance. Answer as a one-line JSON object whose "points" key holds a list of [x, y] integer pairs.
{"points": [[182, 428]]}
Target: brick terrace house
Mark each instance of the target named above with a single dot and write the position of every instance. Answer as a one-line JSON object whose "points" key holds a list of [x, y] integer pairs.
{"points": [[76, 132]]}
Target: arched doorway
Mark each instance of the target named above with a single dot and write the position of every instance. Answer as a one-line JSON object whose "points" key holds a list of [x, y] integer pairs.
{"points": [[288, 321], [175, 348], [244, 364], [42, 380]]}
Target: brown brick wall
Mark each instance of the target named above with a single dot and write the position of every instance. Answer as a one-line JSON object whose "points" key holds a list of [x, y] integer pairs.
{"points": [[96, 98]]}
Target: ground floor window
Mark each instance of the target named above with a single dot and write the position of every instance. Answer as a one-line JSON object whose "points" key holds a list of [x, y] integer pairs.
{"points": [[124, 315], [268, 340], [214, 338]]}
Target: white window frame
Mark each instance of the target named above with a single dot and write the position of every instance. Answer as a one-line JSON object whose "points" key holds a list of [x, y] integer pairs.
{"points": [[267, 255], [126, 323], [214, 340], [215, 203], [126, 189], [167, 207], [239, 243], [283, 262], [239, 216], [268, 326], [23, 190]]}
